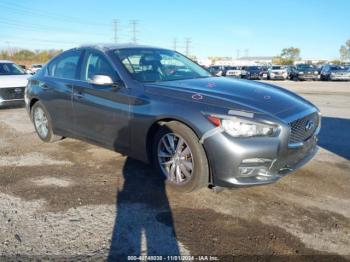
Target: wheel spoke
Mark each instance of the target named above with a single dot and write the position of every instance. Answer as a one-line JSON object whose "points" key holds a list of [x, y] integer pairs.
{"points": [[170, 139], [179, 145], [187, 164], [164, 154], [172, 172], [179, 178], [166, 146], [185, 171], [185, 152], [167, 162]]}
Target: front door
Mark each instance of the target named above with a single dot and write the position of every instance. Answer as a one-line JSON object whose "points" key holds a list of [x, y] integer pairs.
{"points": [[101, 112]]}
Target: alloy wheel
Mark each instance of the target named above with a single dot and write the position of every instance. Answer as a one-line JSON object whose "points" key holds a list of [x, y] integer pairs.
{"points": [[175, 159]]}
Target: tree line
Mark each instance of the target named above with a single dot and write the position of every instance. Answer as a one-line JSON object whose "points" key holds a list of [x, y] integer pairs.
{"points": [[28, 57]]}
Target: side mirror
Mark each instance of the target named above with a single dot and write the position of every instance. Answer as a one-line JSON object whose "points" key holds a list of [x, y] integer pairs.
{"points": [[101, 80]]}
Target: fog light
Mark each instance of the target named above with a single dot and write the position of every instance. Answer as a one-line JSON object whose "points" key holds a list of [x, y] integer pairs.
{"points": [[252, 171]]}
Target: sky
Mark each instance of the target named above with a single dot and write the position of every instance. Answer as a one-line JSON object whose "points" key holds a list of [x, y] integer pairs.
{"points": [[215, 28]]}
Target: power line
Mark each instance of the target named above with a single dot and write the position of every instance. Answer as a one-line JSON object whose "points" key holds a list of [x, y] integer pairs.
{"points": [[134, 31], [115, 28], [188, 43], [28, 10]]}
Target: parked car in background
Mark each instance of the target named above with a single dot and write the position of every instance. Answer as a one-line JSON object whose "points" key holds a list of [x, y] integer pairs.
{"points": [[35, 68], [305, 72], [335, 72], [217, 70], [196, 129], [233, 71], [13, 80], [25, 69], [277, 72], [264, 72], [252, 72]]}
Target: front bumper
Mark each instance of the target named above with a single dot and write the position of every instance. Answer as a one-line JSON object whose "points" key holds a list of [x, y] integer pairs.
{"points": [[340, 77], [263, 160], [278, 77], [11, 95], [309, 77]]}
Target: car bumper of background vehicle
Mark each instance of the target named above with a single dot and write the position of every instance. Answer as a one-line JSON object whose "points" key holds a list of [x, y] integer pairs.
{"points": [[339, 77], [244, 162], [309, 77], [10, 95]]}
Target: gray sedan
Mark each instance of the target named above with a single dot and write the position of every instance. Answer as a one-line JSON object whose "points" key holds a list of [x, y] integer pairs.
{"points": [[157, 106]]}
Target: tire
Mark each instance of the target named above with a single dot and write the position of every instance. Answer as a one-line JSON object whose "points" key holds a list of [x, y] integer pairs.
{"points": [[196, 178], [48, 136]]}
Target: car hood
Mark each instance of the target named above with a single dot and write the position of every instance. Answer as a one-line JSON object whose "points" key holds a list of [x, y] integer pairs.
{"points": [[234, 94], [341, 71], [13, 80], [307, 70], [278, 70]]}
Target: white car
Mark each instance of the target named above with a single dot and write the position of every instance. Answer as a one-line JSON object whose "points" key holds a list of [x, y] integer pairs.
{"points": [[277, 72], [35, 68], [13, 81], [234, 71]]}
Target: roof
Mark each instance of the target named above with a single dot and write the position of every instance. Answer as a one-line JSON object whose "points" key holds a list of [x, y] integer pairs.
{"points": [[109, 46]]}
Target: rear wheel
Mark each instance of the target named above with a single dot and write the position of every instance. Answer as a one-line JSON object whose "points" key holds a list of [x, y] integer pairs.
{"points": [[180, 158], [42, 123]]}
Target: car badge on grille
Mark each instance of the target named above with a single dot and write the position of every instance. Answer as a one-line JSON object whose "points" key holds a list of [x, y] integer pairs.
{"points": [[309, 125], [18, 90]]}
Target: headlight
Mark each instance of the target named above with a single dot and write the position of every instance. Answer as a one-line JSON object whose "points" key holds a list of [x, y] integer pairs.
{"points": [[316, 72], [301, 73], [332, 74], [239, 127]]}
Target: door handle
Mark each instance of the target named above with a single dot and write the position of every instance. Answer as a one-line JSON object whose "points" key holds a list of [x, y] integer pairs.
{"points": [[78, 95], [43, 86]]}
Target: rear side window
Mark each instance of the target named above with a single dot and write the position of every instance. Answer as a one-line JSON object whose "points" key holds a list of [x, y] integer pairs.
{"points": [[65, 66]]}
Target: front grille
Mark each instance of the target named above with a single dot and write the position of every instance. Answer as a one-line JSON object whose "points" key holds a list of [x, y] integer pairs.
{"points": [[303, 128], [12, 93]]}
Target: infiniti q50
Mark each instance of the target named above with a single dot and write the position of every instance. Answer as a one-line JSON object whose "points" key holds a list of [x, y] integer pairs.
{"points": [[158, 106]]}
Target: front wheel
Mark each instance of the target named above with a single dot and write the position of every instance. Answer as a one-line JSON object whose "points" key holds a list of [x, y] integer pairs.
{"points": [[42, 123], [180, 158]]}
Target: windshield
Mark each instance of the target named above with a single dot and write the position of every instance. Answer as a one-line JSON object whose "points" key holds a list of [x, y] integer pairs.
{"points": [[10, 69], [276, 67], [337, 67], [306, 66], [253, 68], [155, 65]]}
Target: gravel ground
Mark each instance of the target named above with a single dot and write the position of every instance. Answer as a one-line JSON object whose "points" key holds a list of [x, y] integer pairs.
{"points": [[72, 200]]}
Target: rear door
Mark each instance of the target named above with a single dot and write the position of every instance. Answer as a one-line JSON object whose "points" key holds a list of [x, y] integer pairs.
{"points": [[101, 113], [57, 87]]}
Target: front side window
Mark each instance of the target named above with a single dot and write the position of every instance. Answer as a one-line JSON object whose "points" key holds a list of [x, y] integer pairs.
{"points": [[10, 69], [96, 64], [154, 65], [65, 66]]}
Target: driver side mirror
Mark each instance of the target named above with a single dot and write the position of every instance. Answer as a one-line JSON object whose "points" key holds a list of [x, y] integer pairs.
{"points": [[101, 80]]}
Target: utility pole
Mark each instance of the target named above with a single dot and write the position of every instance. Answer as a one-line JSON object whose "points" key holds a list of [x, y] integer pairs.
{"points": [[134, 24], [115, 29], [238, 53], [175, 44], [246, 53], [188, 42]]}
